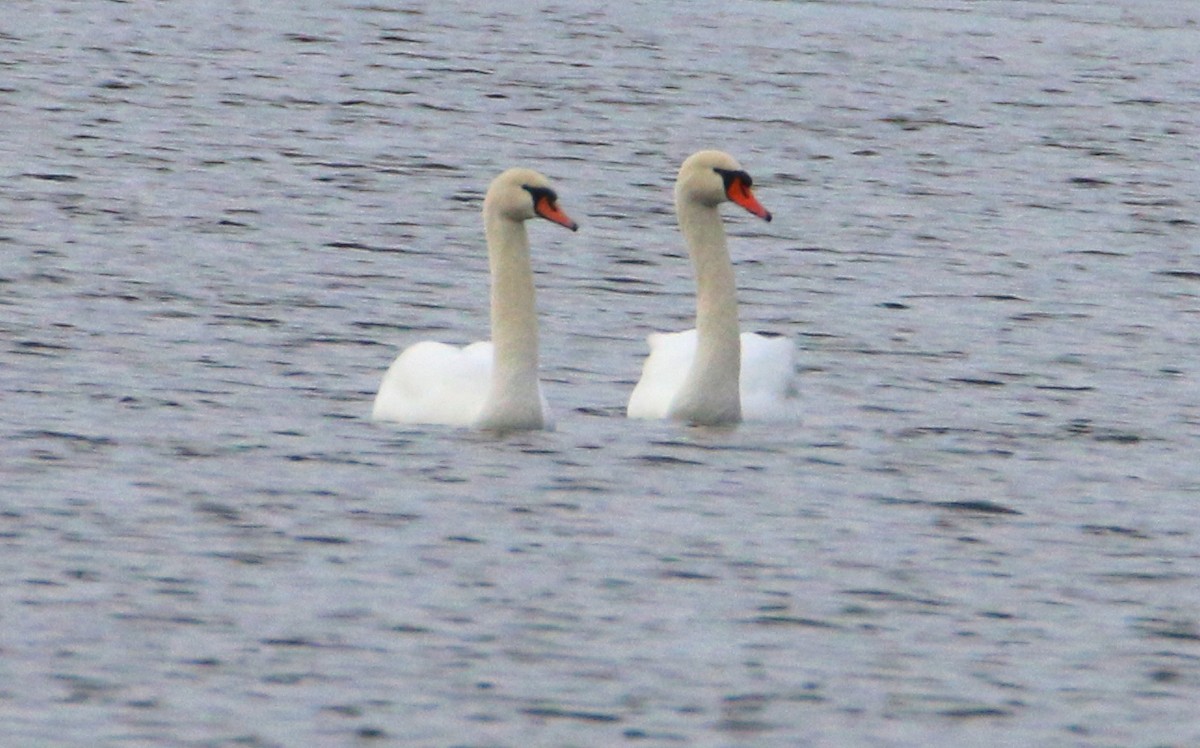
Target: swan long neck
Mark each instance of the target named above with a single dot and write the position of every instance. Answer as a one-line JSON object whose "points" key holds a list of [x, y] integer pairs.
{"points": [[514, 400], [711, 394]]}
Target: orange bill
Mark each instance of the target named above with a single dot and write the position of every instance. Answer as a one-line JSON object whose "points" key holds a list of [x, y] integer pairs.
{"points": [[739, 192], [545, 207]]}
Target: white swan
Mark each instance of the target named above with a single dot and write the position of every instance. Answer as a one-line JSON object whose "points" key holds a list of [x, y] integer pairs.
{"points": [[712, 375], [494, 384]]}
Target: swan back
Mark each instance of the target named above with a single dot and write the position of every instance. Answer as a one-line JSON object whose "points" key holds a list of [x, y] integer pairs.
{"points": [[768, 381], [663, 374], [766, 386], [432, 382]]}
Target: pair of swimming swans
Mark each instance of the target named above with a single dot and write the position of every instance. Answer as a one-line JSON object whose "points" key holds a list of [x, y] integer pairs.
{"points": [[711, 375]]}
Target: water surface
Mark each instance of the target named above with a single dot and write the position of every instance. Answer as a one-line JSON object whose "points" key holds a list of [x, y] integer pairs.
{"points": [[219, 224]]}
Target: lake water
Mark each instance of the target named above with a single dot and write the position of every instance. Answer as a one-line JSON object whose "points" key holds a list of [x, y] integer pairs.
{"points": [[220, 222]]}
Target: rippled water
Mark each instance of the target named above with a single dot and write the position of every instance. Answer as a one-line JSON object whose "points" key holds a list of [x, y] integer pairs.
{"points": [[219, 223]]}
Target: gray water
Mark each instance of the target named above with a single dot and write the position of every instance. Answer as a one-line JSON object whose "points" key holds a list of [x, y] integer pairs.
{"points": [[220, 222]]}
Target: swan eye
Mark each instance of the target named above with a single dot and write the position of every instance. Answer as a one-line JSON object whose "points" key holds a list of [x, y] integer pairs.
{"points": [[541, 193], [545, 204], [733, 176]]}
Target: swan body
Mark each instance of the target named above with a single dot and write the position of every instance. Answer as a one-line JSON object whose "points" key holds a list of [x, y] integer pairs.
{"points": [[766, 385], [492, 384], [715, 374]]}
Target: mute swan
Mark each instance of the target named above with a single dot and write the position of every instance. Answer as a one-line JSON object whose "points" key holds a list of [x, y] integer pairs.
{"points": [[711, 375], [492, 384]]}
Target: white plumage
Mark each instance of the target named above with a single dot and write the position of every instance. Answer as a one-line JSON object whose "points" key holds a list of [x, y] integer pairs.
{"points": [[715, 374], [492, 384]]}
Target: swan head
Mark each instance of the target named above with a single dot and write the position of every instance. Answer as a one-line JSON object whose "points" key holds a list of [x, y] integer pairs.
{"points": [[712, 177], [522, 194]]}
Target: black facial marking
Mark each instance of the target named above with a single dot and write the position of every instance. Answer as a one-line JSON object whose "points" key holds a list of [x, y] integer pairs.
{"points": [[733, 175], [541, 192]]}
